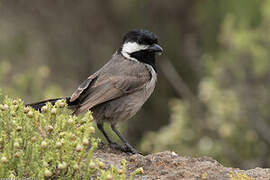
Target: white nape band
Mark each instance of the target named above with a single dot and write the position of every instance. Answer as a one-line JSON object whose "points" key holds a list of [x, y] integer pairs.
{"points": [[132, 47]]}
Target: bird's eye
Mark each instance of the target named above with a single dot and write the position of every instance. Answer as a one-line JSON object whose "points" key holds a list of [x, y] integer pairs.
{"points": [[140, 41]]}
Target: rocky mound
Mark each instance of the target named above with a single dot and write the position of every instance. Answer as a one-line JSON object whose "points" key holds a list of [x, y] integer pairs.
{"points": [[169, 165]]}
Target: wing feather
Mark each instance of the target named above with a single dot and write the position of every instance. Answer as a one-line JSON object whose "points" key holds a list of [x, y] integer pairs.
{"points": [[109, 89], [83, 87]]}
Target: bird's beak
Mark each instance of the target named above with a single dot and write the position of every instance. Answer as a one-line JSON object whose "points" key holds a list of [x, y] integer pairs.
{"points": [[156, 48]]}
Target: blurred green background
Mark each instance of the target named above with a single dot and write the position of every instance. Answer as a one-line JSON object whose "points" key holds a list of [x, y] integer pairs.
{"points": [[213, 91]]}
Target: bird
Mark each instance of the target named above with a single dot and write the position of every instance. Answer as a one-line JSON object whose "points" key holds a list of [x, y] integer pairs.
{"points": [[118, 90]]}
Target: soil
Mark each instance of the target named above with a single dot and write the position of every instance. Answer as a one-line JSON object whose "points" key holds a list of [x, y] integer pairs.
{"points": [[171, 166]]}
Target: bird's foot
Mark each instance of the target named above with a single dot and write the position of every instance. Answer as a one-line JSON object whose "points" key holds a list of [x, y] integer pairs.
{"points": [[130, 149], [116, 146], [125, 148]]}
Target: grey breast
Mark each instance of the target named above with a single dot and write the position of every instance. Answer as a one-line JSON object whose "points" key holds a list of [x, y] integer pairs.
{"points": [[139, 83]]}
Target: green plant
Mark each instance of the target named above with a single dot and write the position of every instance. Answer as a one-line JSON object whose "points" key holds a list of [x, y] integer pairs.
{"points": [[49, 144]]}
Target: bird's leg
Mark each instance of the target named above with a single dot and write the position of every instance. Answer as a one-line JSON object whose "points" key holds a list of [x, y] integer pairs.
{"points": [[129, 148], [111, 143], [100, 127]]}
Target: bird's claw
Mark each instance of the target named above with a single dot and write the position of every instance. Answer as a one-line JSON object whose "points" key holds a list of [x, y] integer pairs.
{"points": [[125, 148], [131, 150], [115, 146]]}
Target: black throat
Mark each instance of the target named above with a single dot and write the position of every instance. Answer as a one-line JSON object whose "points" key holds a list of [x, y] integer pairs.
{"points": [[145, 57]]}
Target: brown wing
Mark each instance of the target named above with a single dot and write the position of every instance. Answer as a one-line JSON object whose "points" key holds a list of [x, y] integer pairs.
{"points": [[108, 89], [81, 89]]}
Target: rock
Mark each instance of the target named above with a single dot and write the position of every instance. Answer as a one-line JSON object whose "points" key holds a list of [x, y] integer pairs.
{"points": [[171, 166]]}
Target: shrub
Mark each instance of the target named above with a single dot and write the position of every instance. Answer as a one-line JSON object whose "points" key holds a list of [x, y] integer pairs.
{"points": [[49, 144]]}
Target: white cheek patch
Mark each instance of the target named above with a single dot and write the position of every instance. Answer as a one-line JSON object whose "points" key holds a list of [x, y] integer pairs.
{"points": [[132, 47]]}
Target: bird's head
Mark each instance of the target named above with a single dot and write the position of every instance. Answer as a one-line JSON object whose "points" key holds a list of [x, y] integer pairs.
{"points": [[140, 45]]}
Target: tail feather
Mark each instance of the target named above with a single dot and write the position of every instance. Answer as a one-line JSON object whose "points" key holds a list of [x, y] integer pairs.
{"points": [[39, 105]]}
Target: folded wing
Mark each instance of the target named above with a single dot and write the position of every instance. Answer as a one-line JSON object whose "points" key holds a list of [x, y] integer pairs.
{"points": [[93, 91]]}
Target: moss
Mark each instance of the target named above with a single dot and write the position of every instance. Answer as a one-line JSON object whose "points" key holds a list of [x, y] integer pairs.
{"points": [[239, 176], [204, 175]]}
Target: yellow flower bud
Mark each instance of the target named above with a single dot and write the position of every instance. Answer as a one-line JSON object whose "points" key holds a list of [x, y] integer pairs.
{"points": [[47, 173], [45, 164], [4, 160], [79, 148], [43, 144], [92, 129], [62, 104], [13, 113], [26, 109], [50, 128], [72, 137], [4, 107], [85, 142], [109, 177], [16, 145], [30, 114], [62, 165], [92, 165], [14, 102], [139, 171], [76, 166], [54, 111], [17, 154], [19, 128], [101, 164], [58, 145], [70, 121], [44, 109], [121, 171], [33, 139]]}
